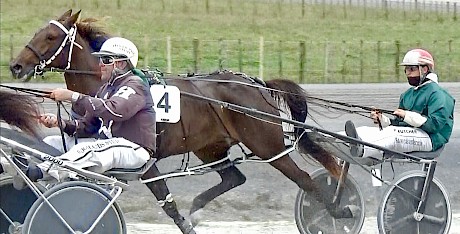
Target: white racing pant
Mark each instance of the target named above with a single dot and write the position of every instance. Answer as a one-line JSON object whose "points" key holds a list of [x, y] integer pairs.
{"points": [[96, 155], [402, 139]]}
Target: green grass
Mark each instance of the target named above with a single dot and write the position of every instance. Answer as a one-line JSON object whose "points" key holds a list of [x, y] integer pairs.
{"points": [[343, 44]]}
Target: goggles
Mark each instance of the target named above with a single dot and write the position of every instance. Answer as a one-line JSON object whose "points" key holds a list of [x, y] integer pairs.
{"points": [[409, 69], [107, 60]]}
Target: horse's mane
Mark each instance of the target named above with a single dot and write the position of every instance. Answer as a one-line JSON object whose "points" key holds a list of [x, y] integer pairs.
{"points": [[19, 111], [92, 32]]}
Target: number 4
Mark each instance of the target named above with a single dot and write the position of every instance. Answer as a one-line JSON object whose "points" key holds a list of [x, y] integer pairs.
{"points": [[164, 102]]}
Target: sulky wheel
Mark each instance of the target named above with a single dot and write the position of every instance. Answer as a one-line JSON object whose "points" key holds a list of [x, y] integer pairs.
{"points": [[312, 217], [79, 204], [397, 209], [14, 203]]}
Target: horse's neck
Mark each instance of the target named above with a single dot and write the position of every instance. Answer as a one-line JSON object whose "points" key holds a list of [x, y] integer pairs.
{"points": [[83, 62]]}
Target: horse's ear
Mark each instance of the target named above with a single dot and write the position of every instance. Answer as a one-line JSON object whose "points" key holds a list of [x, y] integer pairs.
{"points": [[72, 19], [65, 15]]}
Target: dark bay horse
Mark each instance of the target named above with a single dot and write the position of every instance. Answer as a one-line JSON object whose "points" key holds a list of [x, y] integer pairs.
{"points": [[205, 129]]}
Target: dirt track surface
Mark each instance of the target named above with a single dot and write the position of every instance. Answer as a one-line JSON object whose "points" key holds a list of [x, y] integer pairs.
{"points": [[268, 197]]}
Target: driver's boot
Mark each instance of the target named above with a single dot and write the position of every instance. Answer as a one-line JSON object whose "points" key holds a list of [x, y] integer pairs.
{"points": [[356, 150]]}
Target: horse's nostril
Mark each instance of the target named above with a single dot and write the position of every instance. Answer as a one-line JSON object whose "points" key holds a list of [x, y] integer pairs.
{"points": [[16, 68]]}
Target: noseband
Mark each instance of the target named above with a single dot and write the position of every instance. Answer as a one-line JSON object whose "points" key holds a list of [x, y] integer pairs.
{"points": [[69, 39]]}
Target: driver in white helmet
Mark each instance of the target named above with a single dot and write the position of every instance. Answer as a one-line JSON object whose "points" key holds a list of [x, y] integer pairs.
{"points": [[423, 120], [120, 118]]}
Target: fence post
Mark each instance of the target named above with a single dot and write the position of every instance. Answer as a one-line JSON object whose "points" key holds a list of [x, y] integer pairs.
{"points": [[207, 7], [455, 11], [343, 70], [326, 65], [302, 62], [196, 44], [168, 54], [118, 4], [404, 9], [361, 61], [303, 8], [324, 8], [230, 6], [379, 72], [261, 57], [240, 56], [398, 52], [345, 9], [11, 47], [280, 9], [146, 51], [280, 58], [221, 54], [365, 9], [96, 4], [449, 43], [385, 5]]}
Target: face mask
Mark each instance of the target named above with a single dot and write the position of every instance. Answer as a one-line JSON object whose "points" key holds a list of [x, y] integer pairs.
{"points": [[414, 81]]}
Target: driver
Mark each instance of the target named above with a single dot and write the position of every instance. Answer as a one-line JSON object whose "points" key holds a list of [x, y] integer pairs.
{"points": [[423, 120], [120, 118]]}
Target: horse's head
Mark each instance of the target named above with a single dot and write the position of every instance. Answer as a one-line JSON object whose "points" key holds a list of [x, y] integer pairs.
{"points": [[51, 46]]}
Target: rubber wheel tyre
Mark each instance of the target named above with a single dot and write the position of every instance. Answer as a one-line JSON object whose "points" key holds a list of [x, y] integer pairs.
{"points": [[79, 204], [15, 203], [397, 207], [312, 217]]}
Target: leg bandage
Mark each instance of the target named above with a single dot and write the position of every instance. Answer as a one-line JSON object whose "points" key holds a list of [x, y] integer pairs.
{"points": [[168, 198]]}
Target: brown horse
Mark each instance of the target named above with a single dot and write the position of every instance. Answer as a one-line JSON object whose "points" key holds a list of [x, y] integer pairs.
{"points": [[205, 129]]}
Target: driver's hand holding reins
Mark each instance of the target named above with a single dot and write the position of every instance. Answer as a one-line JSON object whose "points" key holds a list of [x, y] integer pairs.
{"points": [[382, 120]]}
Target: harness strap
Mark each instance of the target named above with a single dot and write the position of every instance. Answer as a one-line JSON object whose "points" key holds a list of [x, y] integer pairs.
{"points": [[69, 38]]}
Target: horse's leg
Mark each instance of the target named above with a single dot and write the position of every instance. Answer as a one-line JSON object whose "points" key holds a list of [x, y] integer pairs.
{"points": [[288, 167], [165, 200], [231, 177]]}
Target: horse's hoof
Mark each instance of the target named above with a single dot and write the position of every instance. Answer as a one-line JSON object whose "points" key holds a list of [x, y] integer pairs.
{"points": [[195, 217], [346, 212], [186, 227], [355, 210]]}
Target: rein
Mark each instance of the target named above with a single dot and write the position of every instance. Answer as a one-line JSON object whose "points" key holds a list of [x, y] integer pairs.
{"points": [[53, 69], [349, 105], [44, 94], [35, 92]]}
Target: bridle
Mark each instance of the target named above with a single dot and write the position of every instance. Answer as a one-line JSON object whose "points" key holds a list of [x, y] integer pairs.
{"points": [[68, 39]]}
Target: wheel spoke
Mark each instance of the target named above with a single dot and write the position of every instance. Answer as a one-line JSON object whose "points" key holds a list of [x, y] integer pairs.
{"points": [[312, 216], [397, 212], [434, 220]]}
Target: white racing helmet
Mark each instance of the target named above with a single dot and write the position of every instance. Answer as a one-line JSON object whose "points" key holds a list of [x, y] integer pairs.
{"points": [[418, 57], [121, 48]]}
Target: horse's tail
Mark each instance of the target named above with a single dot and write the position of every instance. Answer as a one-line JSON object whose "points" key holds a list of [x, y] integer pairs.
{"points": [[296, 99], [20, 111], [293, 95]]}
